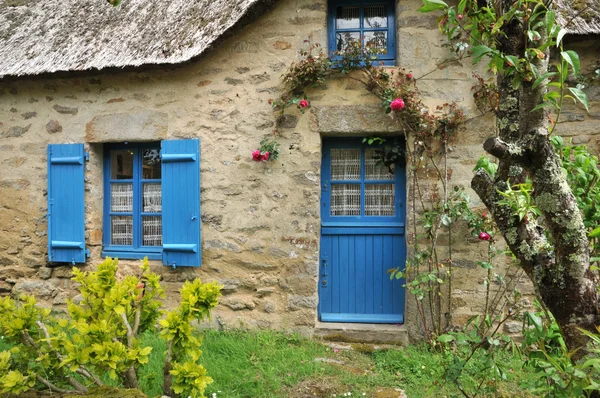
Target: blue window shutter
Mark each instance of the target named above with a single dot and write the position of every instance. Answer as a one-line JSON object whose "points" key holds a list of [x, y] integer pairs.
{"points": [[181, 202], [66, 223]]}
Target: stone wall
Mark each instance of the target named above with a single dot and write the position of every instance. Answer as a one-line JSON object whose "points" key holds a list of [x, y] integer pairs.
{"points": [[260, 221]]}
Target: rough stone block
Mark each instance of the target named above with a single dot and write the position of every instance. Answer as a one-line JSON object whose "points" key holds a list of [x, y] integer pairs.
{"points": [[42, 289], [131, 127], [53, 126], [354, 120], [297, 302]]}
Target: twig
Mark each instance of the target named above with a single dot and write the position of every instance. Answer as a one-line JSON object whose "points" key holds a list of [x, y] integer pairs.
{"points": [[52, 387]]}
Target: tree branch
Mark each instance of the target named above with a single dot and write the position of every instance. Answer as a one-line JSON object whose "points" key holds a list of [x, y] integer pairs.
{"points": [[503, 151], [52, 387]]}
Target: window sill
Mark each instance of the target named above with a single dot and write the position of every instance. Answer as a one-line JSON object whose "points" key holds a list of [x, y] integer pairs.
{"points": [[132, 254]]}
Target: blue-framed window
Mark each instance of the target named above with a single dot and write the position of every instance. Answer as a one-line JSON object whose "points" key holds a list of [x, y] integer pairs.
{"points": [[371, 21], [359, 191], [133, 201]]}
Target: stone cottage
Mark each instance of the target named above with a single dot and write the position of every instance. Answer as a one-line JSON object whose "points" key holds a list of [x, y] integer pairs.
{"points": [[127, 132]]}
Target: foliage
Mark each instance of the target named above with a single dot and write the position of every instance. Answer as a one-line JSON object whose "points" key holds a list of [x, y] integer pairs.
{"points": [[481, 24], [519, 199], [100, 335], [475, 354], [581, 169], [556, 375], [485, 94]]}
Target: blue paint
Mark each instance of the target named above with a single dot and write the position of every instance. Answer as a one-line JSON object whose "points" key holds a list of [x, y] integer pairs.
{"points": [[181, 203], [66, 217], [136, 250], [387, 59], [357, 252]]}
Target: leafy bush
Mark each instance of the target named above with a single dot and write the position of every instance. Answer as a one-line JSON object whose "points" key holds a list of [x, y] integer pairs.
{"points": [[99, 335], [556, 374]]}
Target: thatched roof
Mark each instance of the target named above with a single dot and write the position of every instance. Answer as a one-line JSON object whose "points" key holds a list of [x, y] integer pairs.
{"points": [[579, 16], [45, 36]]}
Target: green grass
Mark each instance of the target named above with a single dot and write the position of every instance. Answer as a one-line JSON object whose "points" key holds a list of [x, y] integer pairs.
{"points": [[270, 364]]}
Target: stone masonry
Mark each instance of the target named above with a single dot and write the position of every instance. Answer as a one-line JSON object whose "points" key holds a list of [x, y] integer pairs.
{"points": [[260, 221]]}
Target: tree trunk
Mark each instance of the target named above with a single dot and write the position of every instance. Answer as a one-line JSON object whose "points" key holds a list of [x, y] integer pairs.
{"points": [[559, 269]]}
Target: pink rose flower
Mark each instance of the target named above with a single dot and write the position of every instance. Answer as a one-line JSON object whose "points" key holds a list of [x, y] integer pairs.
{"points": [[256, 156], [265, 156], [303, 103], [409, 76], [484, 236], [397, 104], [460, 16]]}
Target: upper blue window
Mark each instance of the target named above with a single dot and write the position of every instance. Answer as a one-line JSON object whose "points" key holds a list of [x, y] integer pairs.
{"points": [[371, 21]]}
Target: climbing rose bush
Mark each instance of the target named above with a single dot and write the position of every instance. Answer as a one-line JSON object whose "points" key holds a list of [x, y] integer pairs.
{"points": [[269, 150]]}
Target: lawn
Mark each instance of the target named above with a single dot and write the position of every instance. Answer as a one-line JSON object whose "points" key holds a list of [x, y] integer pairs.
{"points": [[270, 364]]}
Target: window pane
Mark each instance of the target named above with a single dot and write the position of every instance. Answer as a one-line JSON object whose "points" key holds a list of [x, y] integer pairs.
{"points": [[379, 200], [152, 231], [345, 200], [375, 16], [151, 164], [152, 198], [121, 197], [121, 230], [347, 18], [373, 170], [343, 39], [376, 40], [345, 164], [121, 164]]}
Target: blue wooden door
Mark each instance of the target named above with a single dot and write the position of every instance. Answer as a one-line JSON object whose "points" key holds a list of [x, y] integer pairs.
{"points": [[362, 235]]}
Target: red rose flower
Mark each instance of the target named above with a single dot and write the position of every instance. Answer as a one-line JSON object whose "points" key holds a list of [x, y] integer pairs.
{"points": [[397, 104], [265, 156], [256, 156], [303, 103], [484, 236]]}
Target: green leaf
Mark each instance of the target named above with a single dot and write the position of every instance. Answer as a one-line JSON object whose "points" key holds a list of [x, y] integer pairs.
{"points": [[550, 21], [445, 338], [512, 60], [595, 233], [479, 51], [431, 5], [560, 36], [446, 221], [581, 96], [573, 59], [543, 77], [461, 6]]}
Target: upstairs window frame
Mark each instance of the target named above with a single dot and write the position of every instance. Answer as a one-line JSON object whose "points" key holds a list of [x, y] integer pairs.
{"points": [[389, 58], [137, 249]]}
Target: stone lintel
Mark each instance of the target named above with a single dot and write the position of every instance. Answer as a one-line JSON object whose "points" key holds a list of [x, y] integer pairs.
{"points": [[145, 125], [354, 120]]}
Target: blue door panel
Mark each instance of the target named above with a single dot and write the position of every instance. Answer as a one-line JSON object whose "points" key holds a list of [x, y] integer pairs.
{"points": [[358, 288], [66, 212], [357, 252]]}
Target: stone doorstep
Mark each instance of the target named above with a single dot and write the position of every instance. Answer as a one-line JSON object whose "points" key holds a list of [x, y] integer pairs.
{"points": [[362, 333]]}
